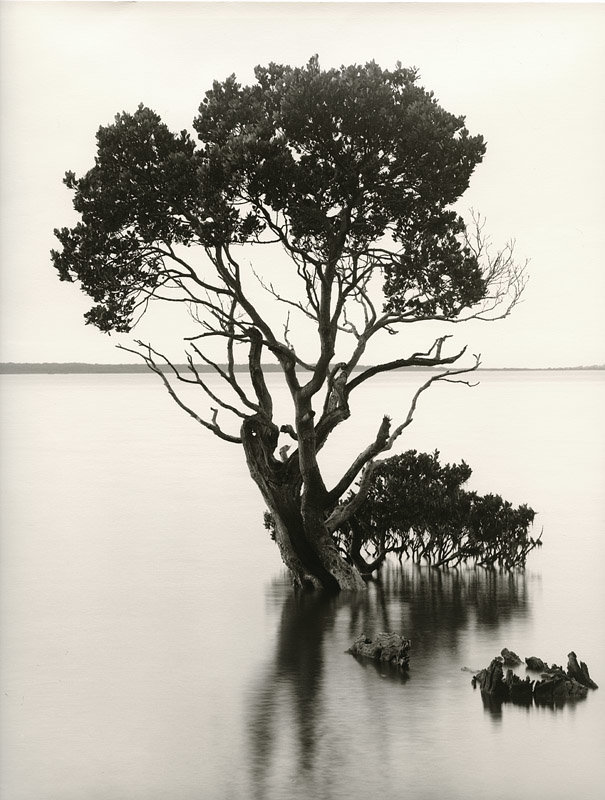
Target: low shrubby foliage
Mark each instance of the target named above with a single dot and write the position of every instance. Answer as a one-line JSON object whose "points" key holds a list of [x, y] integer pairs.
{"points": [[417, 508]]}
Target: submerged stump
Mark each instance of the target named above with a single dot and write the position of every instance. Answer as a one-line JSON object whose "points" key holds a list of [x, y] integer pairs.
{"points": [[578, 671], [510, 658], [554, 687], [518, 691], [491, 680], [385, 647], [536, 664], [557, 687]]}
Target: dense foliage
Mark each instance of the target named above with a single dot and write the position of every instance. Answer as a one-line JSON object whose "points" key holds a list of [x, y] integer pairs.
{"points": [[417, 508], [304, 143]]}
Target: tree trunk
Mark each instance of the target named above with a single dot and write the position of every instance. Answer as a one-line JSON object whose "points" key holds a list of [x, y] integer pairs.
{"points": [[357, 539], [305, 545]]}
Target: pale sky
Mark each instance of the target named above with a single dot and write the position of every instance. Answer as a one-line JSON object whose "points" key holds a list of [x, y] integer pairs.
{"points": [[530, 78]]}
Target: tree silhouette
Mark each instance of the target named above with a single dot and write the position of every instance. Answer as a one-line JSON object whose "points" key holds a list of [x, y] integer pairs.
{"points": [[351, 175]]}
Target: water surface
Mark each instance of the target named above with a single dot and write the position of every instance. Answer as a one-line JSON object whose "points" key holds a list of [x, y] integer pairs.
{"points": [[153, 648]]}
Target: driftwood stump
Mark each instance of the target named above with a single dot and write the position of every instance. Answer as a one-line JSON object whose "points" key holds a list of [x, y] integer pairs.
{"points": [[579, 671], [491, 680], [518, 691], [510, 658], [554, 687], [386, 647], [536, 664]]}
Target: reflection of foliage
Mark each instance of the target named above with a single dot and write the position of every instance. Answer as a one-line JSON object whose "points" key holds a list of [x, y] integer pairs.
{"points": [[296, 703], [417, 508], [430, 604]]}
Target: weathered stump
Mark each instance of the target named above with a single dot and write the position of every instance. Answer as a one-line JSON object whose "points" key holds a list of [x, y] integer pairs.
{"points": [[510, 658], [579, 671], [518, 691], [386, 647], [555, 687], [536, 664], [491, 680]]}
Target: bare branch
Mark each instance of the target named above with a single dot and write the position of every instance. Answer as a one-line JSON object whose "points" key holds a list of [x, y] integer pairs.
{"points": [[290, 431], [210, 393], [385, 438], [372, 450], [229, 379], [265, 401], [270, 289], [416, 360], [211, 426], [439, 377], [345, 511]]}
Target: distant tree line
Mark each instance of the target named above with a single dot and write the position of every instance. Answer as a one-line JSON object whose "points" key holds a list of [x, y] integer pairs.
{"points": [[59, 367]]}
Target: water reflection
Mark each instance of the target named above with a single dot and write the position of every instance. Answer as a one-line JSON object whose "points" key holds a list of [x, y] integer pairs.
{"points": [[494, 705], [384, 670], [291, 707], [553, 690], [428, 605], [290, 688]]}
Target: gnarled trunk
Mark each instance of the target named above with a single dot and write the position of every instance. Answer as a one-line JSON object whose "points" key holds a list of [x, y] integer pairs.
{"points": [[305, 544]]}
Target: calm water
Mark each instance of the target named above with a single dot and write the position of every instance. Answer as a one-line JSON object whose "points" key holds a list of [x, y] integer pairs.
{"points": [[152, 648]]}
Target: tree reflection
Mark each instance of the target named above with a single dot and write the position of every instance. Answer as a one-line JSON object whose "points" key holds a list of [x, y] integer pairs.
{"points": [[291, 706], [431, 606], [291, 684]]}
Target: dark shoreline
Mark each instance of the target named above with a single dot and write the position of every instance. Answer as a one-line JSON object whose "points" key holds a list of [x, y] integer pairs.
{"points": [[50, 368]]}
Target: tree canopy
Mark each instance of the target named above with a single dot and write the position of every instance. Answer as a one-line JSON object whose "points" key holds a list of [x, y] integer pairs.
{"points": [[352, 174], [329, 162]]}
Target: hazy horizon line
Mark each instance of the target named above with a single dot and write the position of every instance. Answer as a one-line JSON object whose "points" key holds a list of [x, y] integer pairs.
{"points": [[67, 367]]}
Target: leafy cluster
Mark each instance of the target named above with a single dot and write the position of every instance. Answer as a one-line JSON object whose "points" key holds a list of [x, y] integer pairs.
{"points": [[417, 508], [337, 165], [309, 143]]}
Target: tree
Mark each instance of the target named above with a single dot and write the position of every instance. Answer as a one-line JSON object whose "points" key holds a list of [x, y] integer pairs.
{"points": [[418, 507], [351, 173]]}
